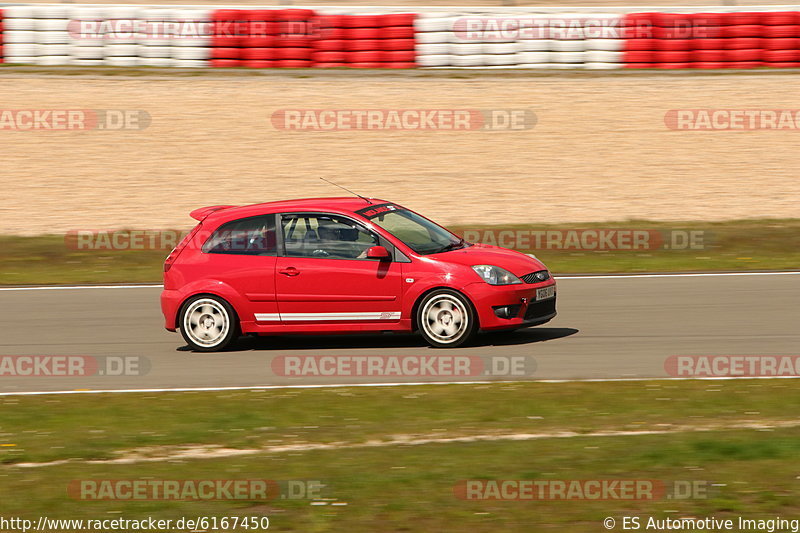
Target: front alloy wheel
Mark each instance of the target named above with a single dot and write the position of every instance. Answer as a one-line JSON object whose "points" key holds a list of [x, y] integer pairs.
{"points": [[208, 323], [446, 319]]}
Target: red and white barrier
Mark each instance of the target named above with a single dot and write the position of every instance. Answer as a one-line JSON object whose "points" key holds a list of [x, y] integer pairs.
{"points": [[124, 35], [713, 40]]}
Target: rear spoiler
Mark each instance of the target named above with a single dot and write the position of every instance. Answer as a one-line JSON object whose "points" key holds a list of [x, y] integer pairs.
{"points": [[203, 212]]}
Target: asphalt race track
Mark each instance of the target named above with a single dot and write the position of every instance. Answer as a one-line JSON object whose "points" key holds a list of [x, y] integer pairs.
{"points": [[608, 327]]}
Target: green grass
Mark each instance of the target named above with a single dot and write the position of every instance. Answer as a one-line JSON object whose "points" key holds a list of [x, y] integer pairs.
{"points": [[95, 426], [732, 245], [729, 245], [410, 488]]}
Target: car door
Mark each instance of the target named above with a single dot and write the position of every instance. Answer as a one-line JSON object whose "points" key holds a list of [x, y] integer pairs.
{"points": [[323, 275], [242, 255]]}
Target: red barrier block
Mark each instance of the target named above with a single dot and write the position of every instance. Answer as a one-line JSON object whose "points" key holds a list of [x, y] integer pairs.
{"points": [[670, 56], [708, 19], [789, 43], [360, 21], [259, 64], [743, 30], [226, 63], [781, 56], [681, 65], [362, 33], [398, 56], [781, 31], [293, 63], [743, 18], [709, 44], [400, 64], [284, 54], [397, 32], [396, 19], [255, 41], [328, 44], [398, 44], [708, 56], [792, 64], [357, 45], [288, 15], [329, 21], [641, 44], [708, 64], [373, 56], [674, 44], [706, 32], [744, 64], [225, 53], [262, 54], [743, 55], [742, 43], [780, 18], [294, 41], [329, 56], [639, 56]]}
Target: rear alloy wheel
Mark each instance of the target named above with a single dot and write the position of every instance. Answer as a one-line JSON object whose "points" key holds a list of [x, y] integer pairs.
{"points": [[208, 324], [446, 319]]}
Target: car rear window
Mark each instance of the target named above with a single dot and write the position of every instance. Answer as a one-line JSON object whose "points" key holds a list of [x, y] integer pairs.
{"points": [[246, 236]]}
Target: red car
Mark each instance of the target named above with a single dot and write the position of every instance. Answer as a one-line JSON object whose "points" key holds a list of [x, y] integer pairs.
{"points": [[336, 265]]}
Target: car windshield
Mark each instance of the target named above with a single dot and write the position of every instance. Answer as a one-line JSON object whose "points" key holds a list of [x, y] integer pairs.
{"points": [[417, 232]]}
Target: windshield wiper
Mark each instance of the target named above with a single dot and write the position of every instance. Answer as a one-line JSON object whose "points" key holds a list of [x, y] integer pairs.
{"points": [[453, 246]]}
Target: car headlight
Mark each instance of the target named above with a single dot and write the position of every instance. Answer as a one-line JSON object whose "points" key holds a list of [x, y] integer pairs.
{"points": [[494, 275]]}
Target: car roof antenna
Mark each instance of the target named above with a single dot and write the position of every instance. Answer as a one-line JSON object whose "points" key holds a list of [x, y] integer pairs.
{"points": [[346, 189]]}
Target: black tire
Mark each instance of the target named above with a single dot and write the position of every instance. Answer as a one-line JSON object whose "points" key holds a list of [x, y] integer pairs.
{"points": [[446, 319], [208, 323]]}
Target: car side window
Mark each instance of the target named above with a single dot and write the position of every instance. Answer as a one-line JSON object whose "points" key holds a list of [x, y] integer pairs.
{"points": [[325, 236], [247, 236]]}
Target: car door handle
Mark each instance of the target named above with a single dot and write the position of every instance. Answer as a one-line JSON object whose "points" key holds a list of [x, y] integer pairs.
{"points": [[291, 271]]}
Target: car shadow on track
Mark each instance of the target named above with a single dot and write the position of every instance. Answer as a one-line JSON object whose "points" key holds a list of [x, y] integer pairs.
{"points": [[390, 340]]}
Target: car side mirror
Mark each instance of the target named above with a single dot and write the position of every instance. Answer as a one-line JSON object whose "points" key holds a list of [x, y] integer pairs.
{"points": [[378, 252]]}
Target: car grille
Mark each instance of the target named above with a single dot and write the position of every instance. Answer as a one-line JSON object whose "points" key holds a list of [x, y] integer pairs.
{"points": [[540, 309], [536, 277]]}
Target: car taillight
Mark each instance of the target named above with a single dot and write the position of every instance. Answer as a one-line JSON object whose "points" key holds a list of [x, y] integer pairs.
{"points": [[173, 255], [169, 260]]}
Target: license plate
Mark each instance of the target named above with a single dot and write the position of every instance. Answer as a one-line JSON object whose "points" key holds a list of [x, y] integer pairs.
{"points": [[545, 292]]}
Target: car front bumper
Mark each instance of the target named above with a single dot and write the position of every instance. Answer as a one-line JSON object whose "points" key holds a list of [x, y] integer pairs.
{"points": [[526, 310]]}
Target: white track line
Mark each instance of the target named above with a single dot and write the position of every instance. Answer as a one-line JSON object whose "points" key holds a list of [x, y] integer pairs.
{"points": [[600, 276], [401, 384], [75, 287]]}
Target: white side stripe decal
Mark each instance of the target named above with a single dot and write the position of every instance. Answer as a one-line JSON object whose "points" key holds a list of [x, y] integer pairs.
{"points": [[298, 317], [268, 317]]}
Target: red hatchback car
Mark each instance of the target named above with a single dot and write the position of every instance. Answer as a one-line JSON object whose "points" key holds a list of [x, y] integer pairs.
{"points": [[336, 265]]}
